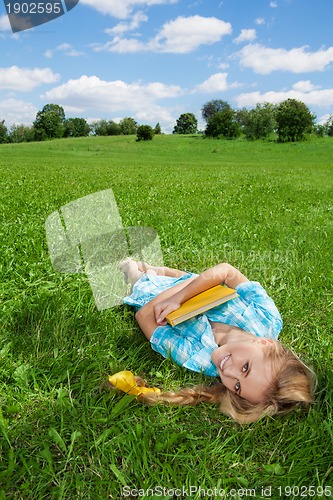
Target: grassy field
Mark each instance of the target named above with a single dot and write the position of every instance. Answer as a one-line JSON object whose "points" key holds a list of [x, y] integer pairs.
{"points": [[265, 208]]}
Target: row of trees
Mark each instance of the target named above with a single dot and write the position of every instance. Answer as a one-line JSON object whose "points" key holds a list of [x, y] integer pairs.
{"points": [[51, 123], [291, 120]]}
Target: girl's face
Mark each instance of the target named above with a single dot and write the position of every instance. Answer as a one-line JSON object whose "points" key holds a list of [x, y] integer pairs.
{"points": [[244, 368]]}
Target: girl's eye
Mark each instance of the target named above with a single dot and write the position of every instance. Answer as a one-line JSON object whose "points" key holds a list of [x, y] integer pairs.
{"points": [[245, 367], [237, 387]]}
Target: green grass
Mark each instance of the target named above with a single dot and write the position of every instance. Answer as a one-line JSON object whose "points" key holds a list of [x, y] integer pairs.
{"points": [[264, 207]]}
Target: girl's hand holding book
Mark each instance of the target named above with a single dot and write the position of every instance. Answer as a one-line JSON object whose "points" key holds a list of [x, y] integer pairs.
{"points": [[162, 309]]}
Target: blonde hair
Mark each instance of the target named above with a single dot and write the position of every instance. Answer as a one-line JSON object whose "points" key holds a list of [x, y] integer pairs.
{"points": [[293, 386]]}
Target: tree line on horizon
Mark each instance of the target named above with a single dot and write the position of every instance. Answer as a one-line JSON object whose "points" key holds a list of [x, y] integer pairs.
{"points": [[289, 121]]}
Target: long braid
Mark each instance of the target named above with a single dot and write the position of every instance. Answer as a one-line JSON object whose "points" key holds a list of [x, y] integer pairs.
{"points": [[186, 396]]}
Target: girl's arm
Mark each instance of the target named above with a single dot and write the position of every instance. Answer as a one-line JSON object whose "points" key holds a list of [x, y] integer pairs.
{"points": [[152, 315], [220, 274], [146, 315]]}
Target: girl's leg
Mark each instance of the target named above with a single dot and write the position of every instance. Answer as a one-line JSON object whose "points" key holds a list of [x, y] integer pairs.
{"points": [[161, 271], [131, 270]]}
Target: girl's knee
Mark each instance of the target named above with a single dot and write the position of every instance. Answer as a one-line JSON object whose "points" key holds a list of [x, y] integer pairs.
{"points": [[151, 271]]}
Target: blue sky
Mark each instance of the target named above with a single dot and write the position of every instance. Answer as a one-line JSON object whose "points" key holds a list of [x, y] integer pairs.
{"points": [[156, 59]]}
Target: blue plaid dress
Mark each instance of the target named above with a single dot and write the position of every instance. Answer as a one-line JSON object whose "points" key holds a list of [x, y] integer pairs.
{"points": [[191, 343]]}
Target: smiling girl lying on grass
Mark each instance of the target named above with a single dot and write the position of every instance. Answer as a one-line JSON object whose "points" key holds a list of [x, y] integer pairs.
{"points": [[236, 341]]}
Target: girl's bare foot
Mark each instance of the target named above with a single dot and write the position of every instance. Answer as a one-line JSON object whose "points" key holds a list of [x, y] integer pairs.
{"points": [[131, 271], [160, 270]]}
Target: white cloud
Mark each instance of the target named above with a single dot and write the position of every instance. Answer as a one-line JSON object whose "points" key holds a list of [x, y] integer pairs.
{"points": [[74, 53], [89, 93], [273, 5], [305, 86], [260, 21], [310, 94], [25, 79], [92, 96], [186, 34], [122, 46], [4, 23], [157, 114], [48, 54], [180, 36], [66, 48], [122, 27], [265, 60], [215, 83], [17, 111], [122, 9], [321, 120], [246, 36]]}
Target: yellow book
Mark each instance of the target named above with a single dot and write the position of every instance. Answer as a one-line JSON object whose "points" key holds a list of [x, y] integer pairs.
{"points": [[200, 303]]}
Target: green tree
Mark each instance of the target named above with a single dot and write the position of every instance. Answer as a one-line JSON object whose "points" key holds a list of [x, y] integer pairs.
{"points": [[104, 127], [157, 129], [320, 130], [329, 126], [3, 132], [223, 124], [294, 121], [76, 127], [186, 124], [128, 126], [21, 133], [145, 133], [49, 123], [98, 127], [113, 128], [213, 107], [257, 123]]}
